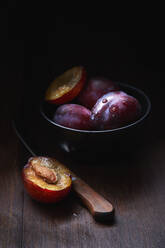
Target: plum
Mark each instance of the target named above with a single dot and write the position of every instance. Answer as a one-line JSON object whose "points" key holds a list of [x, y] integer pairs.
{"points": [[67, 86], [94, 89], [73, 116], [115, 109], [46, 180]]}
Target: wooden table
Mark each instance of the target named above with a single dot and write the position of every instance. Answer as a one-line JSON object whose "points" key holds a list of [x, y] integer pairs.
{"points": [[134, 184], [136, 188]]}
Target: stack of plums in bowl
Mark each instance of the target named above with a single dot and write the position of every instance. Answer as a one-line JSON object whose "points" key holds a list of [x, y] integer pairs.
{"points": [[101, 104], [87, 112]]}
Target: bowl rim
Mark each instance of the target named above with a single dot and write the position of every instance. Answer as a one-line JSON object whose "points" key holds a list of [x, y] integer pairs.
{"points": [[109, 130]]}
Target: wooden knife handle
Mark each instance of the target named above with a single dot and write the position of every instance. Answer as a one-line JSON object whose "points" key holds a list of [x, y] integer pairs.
{"points": [[100, 208]]}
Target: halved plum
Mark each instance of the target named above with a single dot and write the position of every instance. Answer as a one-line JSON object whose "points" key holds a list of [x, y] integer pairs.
{"points": [[94, 89], [67, 86], [73, 116], [115, 109], [46, 180]]}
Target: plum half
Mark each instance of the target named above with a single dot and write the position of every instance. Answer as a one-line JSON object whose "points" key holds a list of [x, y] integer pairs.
{"points": [[94, 89], [115, 109], [46, 180], [73, 116], [67, 86]]}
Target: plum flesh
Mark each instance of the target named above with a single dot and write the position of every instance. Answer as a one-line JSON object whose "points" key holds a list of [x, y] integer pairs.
{"points": [[73, 116], [114, 110]]}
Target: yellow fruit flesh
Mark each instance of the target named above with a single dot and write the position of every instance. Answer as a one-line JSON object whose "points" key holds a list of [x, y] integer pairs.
{"points": [[63, 174], [64, 83]]}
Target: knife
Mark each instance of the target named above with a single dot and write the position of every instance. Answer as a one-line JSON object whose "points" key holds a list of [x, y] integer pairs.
{"points": [[99, 207]]}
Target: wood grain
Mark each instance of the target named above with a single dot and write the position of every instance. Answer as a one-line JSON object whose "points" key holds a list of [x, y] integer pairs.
{"points": [[100, 208], [11, 196], [134, 183]]}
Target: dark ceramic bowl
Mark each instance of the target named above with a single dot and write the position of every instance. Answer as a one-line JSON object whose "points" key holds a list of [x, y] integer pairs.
{"points": [[119, 139]]}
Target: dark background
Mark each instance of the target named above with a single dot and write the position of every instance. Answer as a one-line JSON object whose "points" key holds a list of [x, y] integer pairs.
{"points": [[123, 44]]}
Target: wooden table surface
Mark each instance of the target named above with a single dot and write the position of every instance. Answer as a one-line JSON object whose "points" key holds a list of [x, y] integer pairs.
{"points": [[135, 183], [135, 186]]}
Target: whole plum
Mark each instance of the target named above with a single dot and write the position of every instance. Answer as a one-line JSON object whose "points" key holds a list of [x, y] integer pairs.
{"points": [[73, 116], [115, 109], [94, 89]]}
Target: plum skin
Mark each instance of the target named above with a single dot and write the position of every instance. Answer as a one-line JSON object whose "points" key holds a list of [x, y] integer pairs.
{"points": [[73, 116], [67, 97], [114, 110], [43, 195], [94, 89]]}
